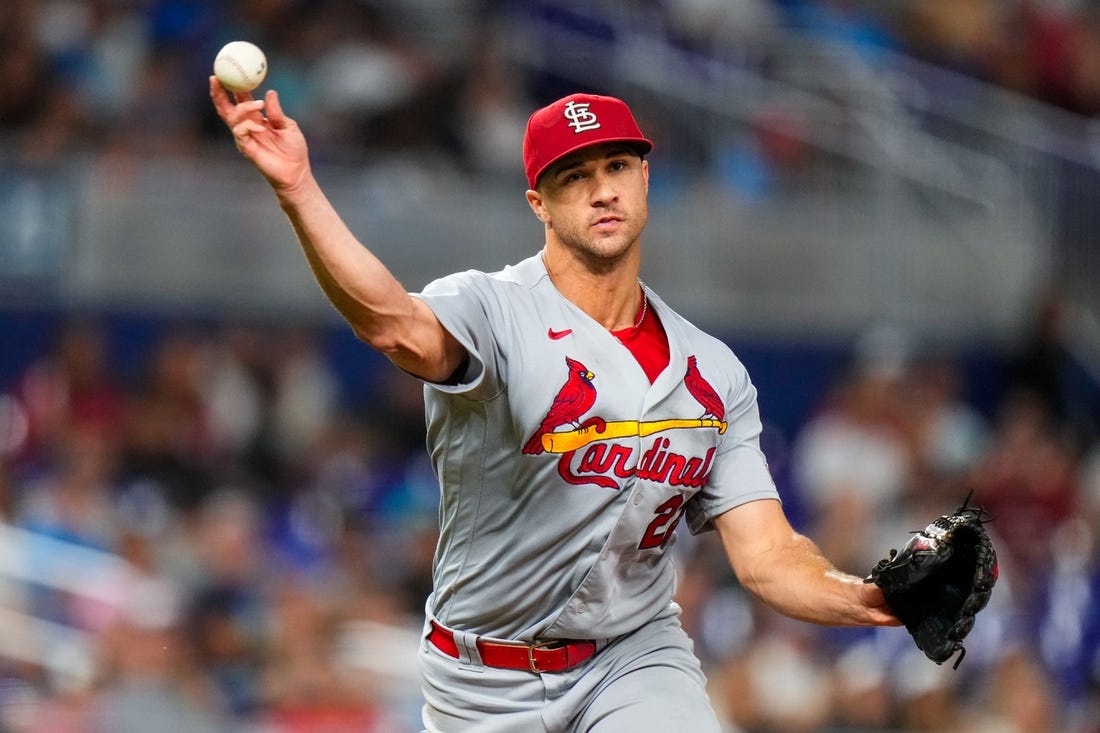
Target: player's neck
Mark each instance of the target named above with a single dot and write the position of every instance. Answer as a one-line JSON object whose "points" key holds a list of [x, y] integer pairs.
{"points": [[610, 296]]}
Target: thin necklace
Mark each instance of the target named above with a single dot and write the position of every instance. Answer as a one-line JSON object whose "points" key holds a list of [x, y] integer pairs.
{"points": [[645, 304]]}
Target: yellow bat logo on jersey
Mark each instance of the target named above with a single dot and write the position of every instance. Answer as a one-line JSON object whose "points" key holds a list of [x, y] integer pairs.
{"points": [[597, 429], [603, 460]]}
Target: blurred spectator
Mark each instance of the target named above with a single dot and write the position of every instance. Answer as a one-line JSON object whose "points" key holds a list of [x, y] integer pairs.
{"points": [[232, 390], [150, 679], [862, 697], [228, 541], [724, 28], [307, 689], [779, 683], [962, 35], [852, 461], [8, 492], [74, 501], [1020, 697], [226, 583], [368, 86], [1048, 38], [347, 464], [928, 697], [1027, 479], [1085, 69], [856, 25], [40, 107], [222, 626], [770, 157], [1046, 370], [949, 434], [1067, 628], [492, 108], [25, 66], [68, 387], [305, 394], [167, 439]]}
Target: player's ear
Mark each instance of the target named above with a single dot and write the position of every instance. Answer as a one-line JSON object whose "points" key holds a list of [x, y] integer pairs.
{"points": [[538, 205]]}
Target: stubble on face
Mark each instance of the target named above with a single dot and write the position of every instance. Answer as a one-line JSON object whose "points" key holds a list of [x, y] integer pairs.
{"points": [[600, 251], [600, 229]]}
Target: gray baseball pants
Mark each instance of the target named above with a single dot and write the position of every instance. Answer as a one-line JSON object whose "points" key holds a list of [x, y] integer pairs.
{"points": [[648, 681]]}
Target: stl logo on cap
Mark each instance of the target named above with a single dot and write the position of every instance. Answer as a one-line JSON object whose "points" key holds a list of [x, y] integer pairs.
{"points": [[555, 130], [580, 117]]}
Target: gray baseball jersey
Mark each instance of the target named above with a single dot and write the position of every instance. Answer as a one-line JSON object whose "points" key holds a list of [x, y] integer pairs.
{"points": [[563, 471]]}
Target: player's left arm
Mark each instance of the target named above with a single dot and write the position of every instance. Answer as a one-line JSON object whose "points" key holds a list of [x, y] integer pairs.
{"points": [[788, 572]]}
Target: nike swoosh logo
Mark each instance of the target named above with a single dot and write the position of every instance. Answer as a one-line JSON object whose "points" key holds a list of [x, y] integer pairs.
{"points": [[558, 334]]}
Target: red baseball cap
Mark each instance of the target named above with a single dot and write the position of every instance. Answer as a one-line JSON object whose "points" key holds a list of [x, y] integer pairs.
{"points": [[575, 122]]}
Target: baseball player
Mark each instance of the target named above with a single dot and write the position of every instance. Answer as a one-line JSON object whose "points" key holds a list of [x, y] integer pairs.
{"points": [[574, 420]]}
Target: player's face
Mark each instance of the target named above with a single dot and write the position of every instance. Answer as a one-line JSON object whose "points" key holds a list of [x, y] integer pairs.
{"points": [[594, 202]]}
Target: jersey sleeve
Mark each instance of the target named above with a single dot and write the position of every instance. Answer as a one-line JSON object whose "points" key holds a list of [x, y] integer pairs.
{"points": [[740, 472], [465, 305]]}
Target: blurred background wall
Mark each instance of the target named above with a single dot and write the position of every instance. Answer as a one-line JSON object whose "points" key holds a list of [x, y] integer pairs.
{"points": [[215, 501]]}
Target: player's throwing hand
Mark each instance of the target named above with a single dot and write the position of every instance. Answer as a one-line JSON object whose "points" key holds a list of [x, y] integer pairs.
{"points": [[273, 142]]}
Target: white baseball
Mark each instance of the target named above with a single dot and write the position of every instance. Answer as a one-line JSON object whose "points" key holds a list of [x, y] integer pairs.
{"points": [[240, 66]]}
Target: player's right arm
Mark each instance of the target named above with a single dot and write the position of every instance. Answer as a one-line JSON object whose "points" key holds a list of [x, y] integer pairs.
{"points": [[378, 308]]}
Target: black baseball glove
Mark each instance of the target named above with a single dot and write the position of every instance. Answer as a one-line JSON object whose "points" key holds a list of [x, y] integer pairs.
{"points": [[939, 581]]}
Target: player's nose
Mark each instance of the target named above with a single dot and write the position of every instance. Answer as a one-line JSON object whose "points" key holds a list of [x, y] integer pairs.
{"points": [[604, 190]]}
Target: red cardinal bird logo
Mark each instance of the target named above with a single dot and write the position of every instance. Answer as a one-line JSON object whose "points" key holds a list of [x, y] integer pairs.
{"points": [[701, 390], [575, 398]]}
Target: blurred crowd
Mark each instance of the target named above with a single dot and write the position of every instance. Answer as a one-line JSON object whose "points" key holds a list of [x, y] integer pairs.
{"points": [[896, 441], [260, 519], [275, 521], [440, 76]]}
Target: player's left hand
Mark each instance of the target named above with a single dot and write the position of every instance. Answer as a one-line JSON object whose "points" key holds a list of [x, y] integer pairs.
{"points": [[874, 601]]}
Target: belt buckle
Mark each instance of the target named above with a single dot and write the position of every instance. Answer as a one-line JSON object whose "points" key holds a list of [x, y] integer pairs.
{"points": [[532, 648]]}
